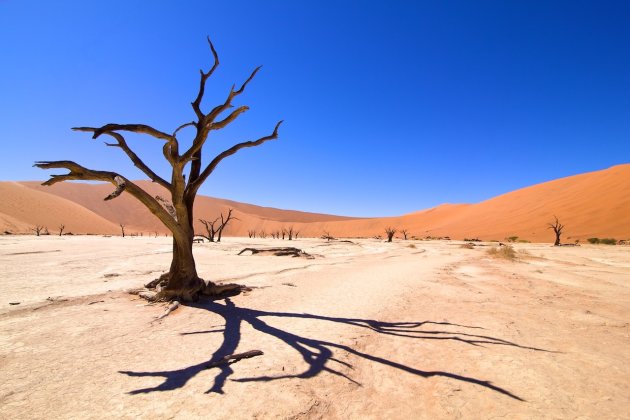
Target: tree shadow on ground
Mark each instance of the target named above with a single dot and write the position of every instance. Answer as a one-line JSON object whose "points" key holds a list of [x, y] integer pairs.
{"points": [[318, 355]]}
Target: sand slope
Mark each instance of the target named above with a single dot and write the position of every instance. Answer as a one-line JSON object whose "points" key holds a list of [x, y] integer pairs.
{"points": [[590, 205], [22, 208]]}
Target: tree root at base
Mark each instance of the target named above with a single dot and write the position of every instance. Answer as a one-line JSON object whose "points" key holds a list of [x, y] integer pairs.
{"points": [[158, 291]]}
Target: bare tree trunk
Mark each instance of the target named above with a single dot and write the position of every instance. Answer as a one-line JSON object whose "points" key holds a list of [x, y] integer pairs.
{"points": [[224, 223], [122, 229], [182, 281], [209, 228]]}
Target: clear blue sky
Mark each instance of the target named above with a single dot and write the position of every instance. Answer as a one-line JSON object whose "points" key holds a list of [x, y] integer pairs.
{"points": [[389, 107]]}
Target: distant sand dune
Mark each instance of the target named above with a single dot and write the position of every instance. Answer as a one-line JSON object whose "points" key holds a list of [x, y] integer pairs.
{"points": [[593, 204]]}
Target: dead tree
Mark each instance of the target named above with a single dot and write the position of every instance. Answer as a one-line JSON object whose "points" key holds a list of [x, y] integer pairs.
{"points": [[290, 232], [404, 232], [122, 229], [212, 231], [251, 233], [37, 229], [390, 233], [557, 229], [284, 233], [262, 234], [328, 236], [296, 233], [181, 281], [224, 223], [61, 228]]}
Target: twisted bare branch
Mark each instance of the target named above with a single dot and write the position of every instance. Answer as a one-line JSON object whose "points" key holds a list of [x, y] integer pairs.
{"points": [[134, 128], [138, 163], [202, 82], [188, 124], [78, 172], [169, 150], [193, 186], [206, 122]]}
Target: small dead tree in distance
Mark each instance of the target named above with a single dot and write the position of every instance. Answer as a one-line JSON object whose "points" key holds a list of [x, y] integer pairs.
{"points": [[390, 233], [251, 233], [122, 229], [224, 223], [210, 229], [37, 229], [61, 228], [404, 232], [328, 236], [262, 234], [557, 229], [181, 281]]}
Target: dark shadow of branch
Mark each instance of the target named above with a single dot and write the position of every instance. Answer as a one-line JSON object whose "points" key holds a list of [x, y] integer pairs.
{"points": [[318, 355]]}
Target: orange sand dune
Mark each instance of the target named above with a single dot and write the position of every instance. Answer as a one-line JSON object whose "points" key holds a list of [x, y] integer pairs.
{"points": [[595, 204], [590, 205], [22, 208]]}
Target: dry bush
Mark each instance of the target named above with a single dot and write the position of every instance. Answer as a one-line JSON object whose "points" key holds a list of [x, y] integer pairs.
{"points": [[506, 252], [468, 245], [411, 246]]}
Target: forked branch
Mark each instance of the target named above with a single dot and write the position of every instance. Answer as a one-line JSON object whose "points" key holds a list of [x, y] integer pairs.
{"points": [[194, 185], [202, 82], [206, 122]]}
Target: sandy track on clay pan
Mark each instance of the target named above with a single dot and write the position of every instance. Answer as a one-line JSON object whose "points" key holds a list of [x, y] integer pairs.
{"points": [[366, 330]]}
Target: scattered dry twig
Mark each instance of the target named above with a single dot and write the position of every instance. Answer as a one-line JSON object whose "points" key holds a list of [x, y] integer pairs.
{"points": [[96, 301], [174, 305], [233, 358], [279, 252]]}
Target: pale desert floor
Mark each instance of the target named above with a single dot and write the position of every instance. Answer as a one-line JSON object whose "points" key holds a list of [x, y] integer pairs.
{"points": [[365, 330]]}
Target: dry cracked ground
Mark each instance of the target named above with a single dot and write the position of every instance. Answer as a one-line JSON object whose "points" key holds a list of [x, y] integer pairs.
{"points": [[367, 329]]}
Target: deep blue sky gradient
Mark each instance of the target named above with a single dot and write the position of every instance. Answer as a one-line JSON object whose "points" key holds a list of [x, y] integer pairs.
{"points": [[389, 107]]}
